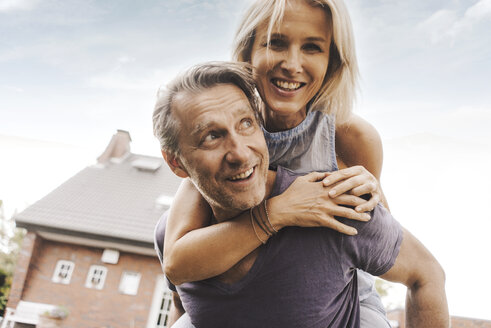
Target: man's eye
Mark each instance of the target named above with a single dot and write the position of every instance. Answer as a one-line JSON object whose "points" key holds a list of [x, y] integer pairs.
{"points": [[210, 137], [246, 123]]}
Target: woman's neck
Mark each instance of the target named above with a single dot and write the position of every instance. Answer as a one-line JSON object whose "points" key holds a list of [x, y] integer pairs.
{"points": [[275, 122]]}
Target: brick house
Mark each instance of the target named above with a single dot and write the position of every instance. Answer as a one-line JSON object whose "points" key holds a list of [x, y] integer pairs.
{"points": [[89, 245], [397, 320]]}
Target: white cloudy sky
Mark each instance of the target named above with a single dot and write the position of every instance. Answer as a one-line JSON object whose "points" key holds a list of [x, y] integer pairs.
{"points": [[72, 72]]}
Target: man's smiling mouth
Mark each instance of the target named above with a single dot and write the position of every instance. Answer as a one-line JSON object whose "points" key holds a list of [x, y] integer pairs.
{"points": [[243, 175]]}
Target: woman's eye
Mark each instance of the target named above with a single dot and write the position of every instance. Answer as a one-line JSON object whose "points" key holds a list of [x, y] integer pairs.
{"points": [[276, 44], [312, 47]]}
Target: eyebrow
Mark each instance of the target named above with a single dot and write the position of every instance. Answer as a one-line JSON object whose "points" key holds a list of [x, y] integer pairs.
{"points": [[200, 127], [316, 39], [203, 126], [309, 39]]}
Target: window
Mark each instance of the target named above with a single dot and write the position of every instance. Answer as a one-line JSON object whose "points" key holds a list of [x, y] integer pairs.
{"points": [[161, 303], [96, 277], [63, 272], [129, 283], [164, 309]]}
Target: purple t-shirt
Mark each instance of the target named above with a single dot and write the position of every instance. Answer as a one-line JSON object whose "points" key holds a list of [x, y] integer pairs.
{"points": [[303, 277]]}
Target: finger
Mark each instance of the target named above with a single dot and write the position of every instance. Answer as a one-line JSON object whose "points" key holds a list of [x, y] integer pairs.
{"points": [[349, 213], [345, 186], [340, 227], [369, 205], [366, 188], [350, 200], [339, 175], [315, 176]]}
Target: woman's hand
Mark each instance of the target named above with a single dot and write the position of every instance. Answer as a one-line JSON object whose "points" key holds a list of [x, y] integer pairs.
{"points": [[307, 203], [356, 181]]}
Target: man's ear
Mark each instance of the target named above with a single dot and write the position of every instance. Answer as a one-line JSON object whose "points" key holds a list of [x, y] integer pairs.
{"points": [[174, 165]]}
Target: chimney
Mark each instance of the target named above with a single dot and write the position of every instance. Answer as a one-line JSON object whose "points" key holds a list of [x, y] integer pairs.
{"points": [[118, 147]]}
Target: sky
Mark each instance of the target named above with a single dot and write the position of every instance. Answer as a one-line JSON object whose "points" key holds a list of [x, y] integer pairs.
{"points": [[72, 72]]}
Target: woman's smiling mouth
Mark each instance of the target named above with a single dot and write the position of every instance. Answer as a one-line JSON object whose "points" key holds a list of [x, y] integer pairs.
{"points": [[286, 85]]}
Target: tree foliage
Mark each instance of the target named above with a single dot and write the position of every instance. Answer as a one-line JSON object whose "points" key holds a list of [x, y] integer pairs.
{"points": [[10, 244], [388, 293]]}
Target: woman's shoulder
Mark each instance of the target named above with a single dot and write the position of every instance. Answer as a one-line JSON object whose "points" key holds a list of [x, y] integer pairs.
{"points": [[357, 128], [359, 143]]}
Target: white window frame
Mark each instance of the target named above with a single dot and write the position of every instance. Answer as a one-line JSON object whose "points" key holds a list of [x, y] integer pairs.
{"points": [[63, 272], [127, 277], [161, 304], [96, 277]]}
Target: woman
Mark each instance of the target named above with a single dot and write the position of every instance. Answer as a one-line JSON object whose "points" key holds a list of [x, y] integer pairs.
{"points": [[305, 66]]}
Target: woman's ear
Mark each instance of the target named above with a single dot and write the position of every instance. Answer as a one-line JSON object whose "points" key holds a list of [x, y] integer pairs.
{"points": [[175, 164]]}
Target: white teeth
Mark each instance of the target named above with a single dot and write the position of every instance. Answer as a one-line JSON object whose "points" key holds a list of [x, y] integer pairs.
{"points": [[244, 175], [287, 85]]}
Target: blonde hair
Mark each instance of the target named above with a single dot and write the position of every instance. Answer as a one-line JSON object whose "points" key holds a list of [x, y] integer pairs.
{"points": [[338, 91]]}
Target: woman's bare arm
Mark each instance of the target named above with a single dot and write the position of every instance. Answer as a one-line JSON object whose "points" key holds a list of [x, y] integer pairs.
{"points": [[358, 144], [195, 251]]}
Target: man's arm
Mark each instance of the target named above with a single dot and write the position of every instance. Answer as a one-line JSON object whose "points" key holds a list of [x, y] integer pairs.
{"points": [[415, 267], [176, 310]]}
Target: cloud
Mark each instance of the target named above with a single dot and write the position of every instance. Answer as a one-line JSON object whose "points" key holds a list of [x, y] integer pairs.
{"points": [[121, 79], [439, 24], [479, 11], [12, 88], [125, 59], [14, 5], [448, 25]]}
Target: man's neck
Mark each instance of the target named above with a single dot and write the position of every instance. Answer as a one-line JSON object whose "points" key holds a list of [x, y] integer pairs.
{"points": [[224, 214]]}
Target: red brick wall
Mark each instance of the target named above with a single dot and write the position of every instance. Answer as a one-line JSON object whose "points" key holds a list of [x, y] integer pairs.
{"points": [[397, 316], [89, 307], [456, 322], [30, 246]]}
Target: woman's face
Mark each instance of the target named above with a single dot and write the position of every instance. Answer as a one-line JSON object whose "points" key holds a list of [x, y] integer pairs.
{"points": [[291, 71]]}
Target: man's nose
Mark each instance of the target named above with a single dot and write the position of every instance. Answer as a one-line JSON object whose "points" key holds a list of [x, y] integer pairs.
{"points": [[292, 62], [237, 150]]}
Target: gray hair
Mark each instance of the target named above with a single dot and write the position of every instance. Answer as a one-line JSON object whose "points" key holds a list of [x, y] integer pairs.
{"points": [[195, 80], [338, 91]]}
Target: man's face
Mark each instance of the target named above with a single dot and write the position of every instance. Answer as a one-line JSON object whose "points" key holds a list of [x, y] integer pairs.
{"points": [[222, 148]]}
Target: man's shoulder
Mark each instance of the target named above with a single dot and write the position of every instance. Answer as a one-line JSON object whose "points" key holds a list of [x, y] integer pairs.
{"points": [[280, 180], [159, 234]]}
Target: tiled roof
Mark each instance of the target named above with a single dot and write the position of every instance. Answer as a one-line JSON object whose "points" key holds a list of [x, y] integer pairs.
{"points": [[115, 200]]}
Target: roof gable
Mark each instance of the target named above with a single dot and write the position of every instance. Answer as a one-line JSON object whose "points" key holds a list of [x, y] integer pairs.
{"points": [[116, 199]]}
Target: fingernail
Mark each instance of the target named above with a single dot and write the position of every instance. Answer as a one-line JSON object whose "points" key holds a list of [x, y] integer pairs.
{"points": [[332, 192], [358, 209], [354, 232], [366, 216]]}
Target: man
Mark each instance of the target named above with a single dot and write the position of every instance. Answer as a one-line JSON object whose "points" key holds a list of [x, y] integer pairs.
{"points": [[207, 124]]}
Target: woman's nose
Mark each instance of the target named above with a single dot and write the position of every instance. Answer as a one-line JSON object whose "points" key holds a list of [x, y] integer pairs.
{"points": [[292, 61]]}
